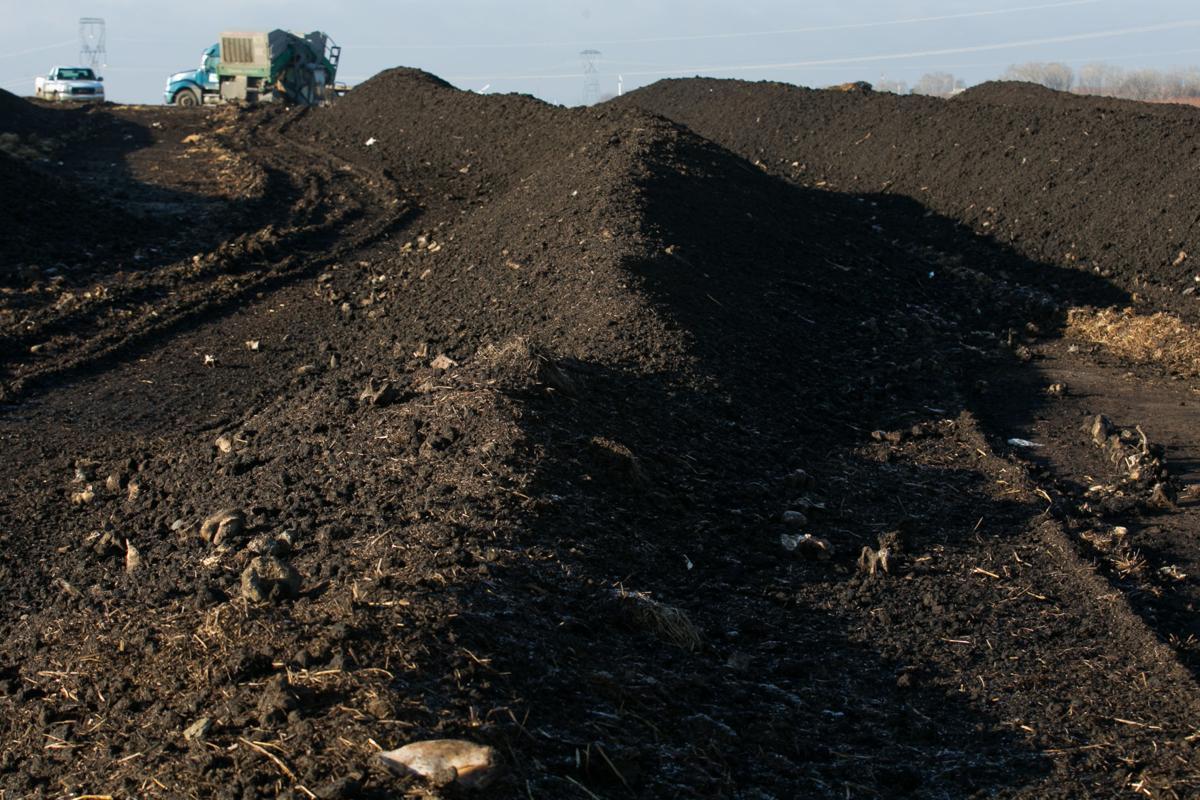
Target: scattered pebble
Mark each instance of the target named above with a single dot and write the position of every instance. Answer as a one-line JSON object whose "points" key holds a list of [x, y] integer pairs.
{"points": [[1173, 572], [84, 472], [133, 558], [198, 729], [377, 393], [269, 578], [807, 545], [223, 525], [664, 621]]}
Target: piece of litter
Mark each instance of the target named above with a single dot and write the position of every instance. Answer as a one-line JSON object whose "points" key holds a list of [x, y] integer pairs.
{"points": [[371, 141], [1024, 443]]}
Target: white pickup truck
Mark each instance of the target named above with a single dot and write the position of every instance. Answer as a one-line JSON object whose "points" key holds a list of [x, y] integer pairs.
{"points": [[70, 83]]}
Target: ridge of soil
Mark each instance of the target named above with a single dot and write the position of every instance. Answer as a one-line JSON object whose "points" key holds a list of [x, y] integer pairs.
{"points": [[1100, 185]]}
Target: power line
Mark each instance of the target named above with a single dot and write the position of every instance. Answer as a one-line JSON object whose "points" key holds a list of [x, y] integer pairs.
{"points": [[734, 34], [1077, 37], [39, 49]]}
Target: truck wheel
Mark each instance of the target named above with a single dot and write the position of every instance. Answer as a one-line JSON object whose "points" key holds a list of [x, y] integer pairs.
{"points": [[187, 98]]}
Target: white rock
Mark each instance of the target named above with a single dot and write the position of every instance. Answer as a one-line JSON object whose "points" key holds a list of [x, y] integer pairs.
{"points": [[133, 558], [223, 525], [445, 761]]}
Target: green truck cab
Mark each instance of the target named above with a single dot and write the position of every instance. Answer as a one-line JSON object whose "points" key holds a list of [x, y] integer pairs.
{"points": [[260, 66]]}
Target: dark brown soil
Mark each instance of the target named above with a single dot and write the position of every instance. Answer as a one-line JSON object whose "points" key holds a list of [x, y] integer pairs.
{"points": [[505, 387], [1090, 183]]}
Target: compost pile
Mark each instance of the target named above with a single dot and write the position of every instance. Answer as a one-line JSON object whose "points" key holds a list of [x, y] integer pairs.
{"points": [[1095, 184], [23, 118], [570, 432]]}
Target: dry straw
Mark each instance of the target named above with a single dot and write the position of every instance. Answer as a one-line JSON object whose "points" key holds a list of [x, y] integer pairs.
{"points": [[1160, 338]]}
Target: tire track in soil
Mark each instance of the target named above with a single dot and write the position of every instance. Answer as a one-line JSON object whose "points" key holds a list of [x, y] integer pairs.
{"points": [[147, 380], [307, 238], [1165, 591]]}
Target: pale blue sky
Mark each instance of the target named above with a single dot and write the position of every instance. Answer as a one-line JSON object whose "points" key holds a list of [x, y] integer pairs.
{"points": [[533, 46]]}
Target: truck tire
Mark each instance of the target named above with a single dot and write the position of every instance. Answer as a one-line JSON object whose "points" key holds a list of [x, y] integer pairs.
{"points": [[187, 98]]}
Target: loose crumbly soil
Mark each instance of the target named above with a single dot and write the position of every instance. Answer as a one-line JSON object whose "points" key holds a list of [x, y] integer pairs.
{"points": [[1092, 183], [523, 394]]}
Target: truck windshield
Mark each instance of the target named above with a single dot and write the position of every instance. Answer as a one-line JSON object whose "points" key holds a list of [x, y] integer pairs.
{"points": [[76, 74]]}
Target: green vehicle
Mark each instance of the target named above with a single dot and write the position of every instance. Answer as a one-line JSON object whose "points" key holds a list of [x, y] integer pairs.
{"points": [[255, 67]]}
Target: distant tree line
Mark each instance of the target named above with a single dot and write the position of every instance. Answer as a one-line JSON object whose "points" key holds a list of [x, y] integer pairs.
{"points": [[1090, 79], [937, 84], [1100, 79], [1110, 81]]}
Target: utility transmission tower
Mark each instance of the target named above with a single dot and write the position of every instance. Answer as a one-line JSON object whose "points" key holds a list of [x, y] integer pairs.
{"points": [[92, 51], [591, 77]]}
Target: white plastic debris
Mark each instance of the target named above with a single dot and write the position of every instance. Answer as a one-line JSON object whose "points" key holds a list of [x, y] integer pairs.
{"points": [[371, 141], [1024, 443]]}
